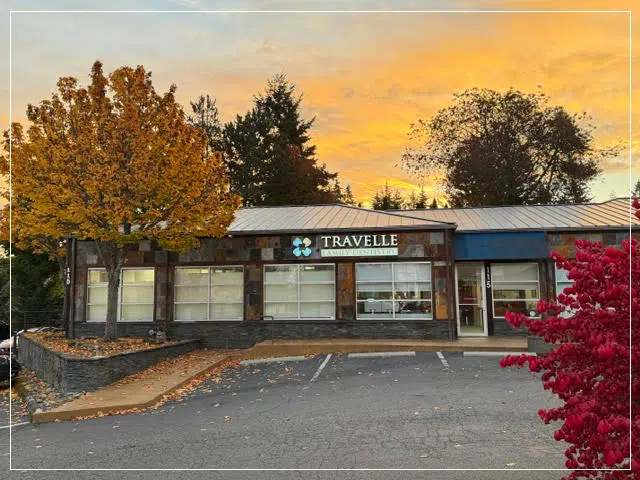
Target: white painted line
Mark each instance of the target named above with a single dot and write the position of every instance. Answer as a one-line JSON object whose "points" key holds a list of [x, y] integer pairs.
{"points": [[380, 354], [272, 360], [442, 359], [321, 367], [494, 354], [14, 425]]}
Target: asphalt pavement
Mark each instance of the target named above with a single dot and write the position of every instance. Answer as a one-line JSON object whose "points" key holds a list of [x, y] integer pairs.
{"points": [[416, 411]]}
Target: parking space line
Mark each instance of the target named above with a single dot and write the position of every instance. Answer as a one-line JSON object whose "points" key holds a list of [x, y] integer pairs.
{"points": [[442, 359], [14, 425], [273, 360], [494, 354], [321, 367], [381, 354]]}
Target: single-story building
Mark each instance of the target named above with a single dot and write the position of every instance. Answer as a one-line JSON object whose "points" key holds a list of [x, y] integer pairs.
{"points": [[341, 271]]}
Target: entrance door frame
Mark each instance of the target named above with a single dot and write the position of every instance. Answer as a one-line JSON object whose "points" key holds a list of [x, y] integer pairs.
{"points": [[485, 323]]}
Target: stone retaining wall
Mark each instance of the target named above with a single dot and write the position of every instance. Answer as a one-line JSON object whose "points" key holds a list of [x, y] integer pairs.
{"points": [[68, 373]]}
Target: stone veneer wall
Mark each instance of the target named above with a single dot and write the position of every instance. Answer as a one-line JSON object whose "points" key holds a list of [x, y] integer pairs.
{"points": [[75, 374]]}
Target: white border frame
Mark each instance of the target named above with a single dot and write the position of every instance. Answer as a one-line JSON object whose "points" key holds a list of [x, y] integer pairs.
{"points": [[630, 144], [483, 304]]}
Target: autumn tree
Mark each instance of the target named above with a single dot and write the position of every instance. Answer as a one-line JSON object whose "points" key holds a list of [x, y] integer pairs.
{"points": [[507, 148], [117, 163], [387, 199], [593, 362]]}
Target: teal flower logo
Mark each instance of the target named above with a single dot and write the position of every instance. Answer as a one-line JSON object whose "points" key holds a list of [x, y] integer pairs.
{"points": [[301, 247]]}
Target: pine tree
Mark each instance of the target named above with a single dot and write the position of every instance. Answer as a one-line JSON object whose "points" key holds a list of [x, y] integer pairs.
{"points": [[269, 154], [387, 199], [434, 204], [636, 190], [417, 201]]}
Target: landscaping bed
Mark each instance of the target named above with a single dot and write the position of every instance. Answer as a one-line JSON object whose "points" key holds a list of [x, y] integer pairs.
{"points": [[91, 347], [86, 365]]}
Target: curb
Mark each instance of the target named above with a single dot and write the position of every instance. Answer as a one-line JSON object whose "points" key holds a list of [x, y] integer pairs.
{"points": [[53, 416], [33, 407]]}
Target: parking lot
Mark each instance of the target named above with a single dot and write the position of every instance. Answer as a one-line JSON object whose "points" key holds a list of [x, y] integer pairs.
{"points": [[412, 410]]}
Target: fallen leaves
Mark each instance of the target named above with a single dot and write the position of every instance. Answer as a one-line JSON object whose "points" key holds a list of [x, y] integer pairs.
{"points": [[91, 346]]}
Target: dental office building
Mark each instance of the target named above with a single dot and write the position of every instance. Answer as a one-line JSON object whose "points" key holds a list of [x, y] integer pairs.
{"points": [[336, 271]]}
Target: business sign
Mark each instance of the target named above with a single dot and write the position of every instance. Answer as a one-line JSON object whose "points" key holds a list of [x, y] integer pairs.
{"points": [[301, 247], [368, 245]]}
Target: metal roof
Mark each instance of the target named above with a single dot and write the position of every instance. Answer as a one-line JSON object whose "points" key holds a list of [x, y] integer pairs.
{"points": [[335, 218], [614, 214]]}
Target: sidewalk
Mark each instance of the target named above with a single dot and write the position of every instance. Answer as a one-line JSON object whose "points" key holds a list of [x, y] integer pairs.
{"points": [[141, 390]]}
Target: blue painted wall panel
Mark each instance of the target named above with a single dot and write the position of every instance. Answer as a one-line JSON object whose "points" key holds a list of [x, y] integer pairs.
{"points": [[501, 246]]}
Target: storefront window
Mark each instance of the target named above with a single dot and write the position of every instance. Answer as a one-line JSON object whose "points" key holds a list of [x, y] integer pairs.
{"points": [[209, 293], [394, 290], [135, 297], [293, 292], [515, 287]]}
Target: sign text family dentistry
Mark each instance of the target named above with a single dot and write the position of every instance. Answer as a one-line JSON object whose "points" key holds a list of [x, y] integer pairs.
{"points": [[375, 245]]}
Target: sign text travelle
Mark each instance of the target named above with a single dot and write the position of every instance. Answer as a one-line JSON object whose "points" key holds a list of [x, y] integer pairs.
{"points": [[367, 245]]}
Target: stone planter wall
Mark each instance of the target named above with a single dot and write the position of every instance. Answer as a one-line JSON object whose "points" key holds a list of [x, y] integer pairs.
{"points": [[68, 373]]}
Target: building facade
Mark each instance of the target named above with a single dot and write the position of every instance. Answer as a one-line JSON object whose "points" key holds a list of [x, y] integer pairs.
{"points": [[342, 272]]}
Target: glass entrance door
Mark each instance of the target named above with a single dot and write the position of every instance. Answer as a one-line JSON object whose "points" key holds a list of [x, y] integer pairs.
{"points": [[472, 316]]}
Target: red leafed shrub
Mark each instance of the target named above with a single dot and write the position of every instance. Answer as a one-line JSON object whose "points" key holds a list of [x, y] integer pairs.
{"points": [[589, 367]]}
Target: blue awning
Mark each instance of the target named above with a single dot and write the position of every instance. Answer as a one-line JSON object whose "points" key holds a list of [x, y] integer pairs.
{"points": [[501, 246]]}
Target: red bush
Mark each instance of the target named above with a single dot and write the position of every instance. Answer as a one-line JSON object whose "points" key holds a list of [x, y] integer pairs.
{"points": [[590, 365]]}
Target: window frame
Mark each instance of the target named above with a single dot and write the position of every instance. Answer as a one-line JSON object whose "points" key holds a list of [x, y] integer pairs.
{"points": [[393, 299], [299, 284], [209, 286], [525, 300], [120, 289], [568, 283]]}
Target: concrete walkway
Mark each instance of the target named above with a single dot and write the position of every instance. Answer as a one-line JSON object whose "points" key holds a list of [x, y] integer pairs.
{"points": [[138, 391], [353, 345]]}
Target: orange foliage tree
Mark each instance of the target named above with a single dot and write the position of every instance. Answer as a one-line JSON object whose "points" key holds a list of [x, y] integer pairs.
{"points": [[116, 163]]}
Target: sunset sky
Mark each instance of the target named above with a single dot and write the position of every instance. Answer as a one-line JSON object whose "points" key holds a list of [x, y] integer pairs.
{"points": [[365, 76]]}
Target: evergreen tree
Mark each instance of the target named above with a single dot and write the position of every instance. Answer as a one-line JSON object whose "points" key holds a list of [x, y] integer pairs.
{"points": [[269, 154], [387, 199], [417, 201], [205, 116], [636, 190], [434, 204]]}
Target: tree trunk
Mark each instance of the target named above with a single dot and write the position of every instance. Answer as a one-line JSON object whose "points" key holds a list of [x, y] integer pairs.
{"points": [[111, 326], [112, 257]]}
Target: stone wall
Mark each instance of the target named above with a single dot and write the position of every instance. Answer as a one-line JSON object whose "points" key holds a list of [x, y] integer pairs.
{"points": [[67, 373], [246, 334]]}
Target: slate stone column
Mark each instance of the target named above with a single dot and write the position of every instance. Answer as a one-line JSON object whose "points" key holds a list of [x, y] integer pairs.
{"points": [[345, 291], [253, 300]]}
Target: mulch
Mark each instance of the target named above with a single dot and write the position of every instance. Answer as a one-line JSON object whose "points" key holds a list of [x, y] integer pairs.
{"points": [[91, 346]]}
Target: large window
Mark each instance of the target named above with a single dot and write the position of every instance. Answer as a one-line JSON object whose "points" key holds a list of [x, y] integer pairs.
{"points": [[515, 288], [394, 290], [562, 280], [294, 292], [209, 293], [135, 298]]}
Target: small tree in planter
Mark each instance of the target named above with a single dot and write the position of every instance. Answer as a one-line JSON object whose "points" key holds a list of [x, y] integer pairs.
{"points": [[589, 368], [117, 163]]}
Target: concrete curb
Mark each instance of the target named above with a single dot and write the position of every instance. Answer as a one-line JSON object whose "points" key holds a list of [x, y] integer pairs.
{"points": [[32, 404], [53, 415]]}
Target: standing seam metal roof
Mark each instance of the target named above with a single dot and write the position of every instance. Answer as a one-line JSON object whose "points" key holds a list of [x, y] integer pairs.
{"points": [[612, 214], [306, 218]]}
